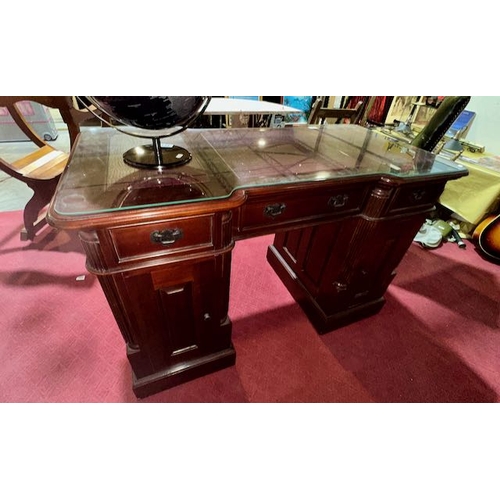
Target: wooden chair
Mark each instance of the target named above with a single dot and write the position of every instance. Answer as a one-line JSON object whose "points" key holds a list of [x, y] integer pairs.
{"points": [[41, 169], [319, 114]]}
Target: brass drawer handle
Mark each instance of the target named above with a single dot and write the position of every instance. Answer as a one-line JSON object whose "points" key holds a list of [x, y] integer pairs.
{"points": [[274, 210], [338, 201], [418, 194], [166, 237]]}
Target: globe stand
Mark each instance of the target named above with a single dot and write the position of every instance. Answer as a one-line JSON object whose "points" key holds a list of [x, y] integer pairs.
{"points": [[157, 155]]}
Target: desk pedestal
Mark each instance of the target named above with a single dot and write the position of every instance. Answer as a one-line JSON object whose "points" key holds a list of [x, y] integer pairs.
{"points": [[174, 321], [339, 272], [170, 301]]}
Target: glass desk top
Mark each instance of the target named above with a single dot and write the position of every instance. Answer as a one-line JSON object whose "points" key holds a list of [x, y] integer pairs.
{"points": [[226, 160]]}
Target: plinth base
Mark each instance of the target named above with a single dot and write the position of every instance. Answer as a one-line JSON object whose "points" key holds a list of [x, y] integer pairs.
{"points": [[183, 372], [167, 156]]}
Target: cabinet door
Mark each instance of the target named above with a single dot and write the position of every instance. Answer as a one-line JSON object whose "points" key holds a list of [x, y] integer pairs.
{"points": [[318, 256], [177, 313]]}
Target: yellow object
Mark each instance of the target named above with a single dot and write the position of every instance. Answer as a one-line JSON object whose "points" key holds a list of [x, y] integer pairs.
{"points": [[474, 196]]}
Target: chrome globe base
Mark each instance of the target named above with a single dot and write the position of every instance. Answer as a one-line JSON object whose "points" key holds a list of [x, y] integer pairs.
{"points": [[157, 155]]}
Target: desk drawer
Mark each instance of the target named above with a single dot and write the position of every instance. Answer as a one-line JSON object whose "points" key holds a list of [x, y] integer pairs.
{"points": [[408, 197], [161, 238], [285, 208]]}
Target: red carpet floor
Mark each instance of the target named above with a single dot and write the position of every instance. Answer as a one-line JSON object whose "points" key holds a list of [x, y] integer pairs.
{"points": [[436, 340]]}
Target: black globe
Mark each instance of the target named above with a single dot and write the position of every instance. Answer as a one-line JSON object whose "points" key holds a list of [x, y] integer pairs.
{"points": [[151, 112], [152, 117]]}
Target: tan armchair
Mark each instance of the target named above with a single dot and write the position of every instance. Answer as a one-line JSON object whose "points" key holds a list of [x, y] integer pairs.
{"points": [[41, 169]]}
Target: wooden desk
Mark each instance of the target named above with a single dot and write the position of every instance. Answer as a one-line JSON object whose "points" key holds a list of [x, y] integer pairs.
{"points": [[343, 201]]}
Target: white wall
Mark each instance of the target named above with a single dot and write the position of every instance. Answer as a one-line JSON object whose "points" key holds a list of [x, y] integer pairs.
{"points": [[485, 129]]}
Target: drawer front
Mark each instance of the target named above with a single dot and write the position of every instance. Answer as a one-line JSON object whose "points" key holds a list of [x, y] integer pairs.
{"points": [[162, 238], [408, 197], [284, 209]]}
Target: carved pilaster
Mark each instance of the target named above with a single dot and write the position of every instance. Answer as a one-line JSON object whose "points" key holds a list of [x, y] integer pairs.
{"points": [[112, 293], [226, 229], [97, 265], [379, 199], [92, 246]]}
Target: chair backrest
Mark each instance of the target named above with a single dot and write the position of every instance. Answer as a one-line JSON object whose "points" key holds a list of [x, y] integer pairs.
{"points": [[319, 114], [71, 116], [440, 122], [315, 108], [40, 164]]}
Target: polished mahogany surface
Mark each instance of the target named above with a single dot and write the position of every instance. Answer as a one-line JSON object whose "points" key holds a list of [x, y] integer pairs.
{"points": [[224, 161]]}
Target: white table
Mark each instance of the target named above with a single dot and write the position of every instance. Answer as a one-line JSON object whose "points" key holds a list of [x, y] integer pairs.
{"points": [[239, 110], [223, 106]]}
